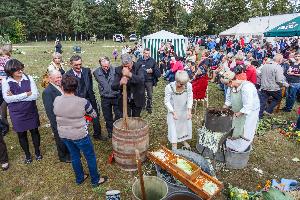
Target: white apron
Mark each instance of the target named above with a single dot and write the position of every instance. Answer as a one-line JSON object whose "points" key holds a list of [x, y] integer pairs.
{"points": [[181, 129]]}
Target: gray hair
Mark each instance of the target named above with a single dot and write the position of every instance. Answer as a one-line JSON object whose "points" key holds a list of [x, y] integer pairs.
{"points": [[56, 55], [6, 49], [182, 76], [126, 59], [54, 72], [104, 59]]}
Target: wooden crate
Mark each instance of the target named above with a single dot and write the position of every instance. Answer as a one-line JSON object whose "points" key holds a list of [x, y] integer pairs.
{"points": [[194, 181]]}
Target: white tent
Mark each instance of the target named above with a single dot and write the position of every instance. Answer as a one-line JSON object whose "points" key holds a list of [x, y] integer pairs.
{"points": [[259, 25], [154, 40], [238, 29]]}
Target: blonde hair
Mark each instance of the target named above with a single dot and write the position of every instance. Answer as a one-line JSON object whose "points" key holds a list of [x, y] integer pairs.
{"points": [[182, 76]]}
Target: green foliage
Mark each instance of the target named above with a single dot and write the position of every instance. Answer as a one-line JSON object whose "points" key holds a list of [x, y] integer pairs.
{"points": [[78, 16], [18, 34], [4, 39], [107, 17]]}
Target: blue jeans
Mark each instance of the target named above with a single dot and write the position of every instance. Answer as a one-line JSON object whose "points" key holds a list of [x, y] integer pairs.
{"points": [[86, 146], [291, 95], [264, 96]]}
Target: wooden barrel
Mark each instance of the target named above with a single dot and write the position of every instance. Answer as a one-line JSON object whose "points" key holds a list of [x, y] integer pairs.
{"points": [[125, 142]]}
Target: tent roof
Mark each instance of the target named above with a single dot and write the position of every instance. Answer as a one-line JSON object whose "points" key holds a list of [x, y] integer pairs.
{"points": [[163, 35], [235, 30], [258, 25], [287, 29]]}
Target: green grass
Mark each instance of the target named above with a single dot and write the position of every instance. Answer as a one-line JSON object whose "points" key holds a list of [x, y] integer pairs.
{"points": [[50, 179]]}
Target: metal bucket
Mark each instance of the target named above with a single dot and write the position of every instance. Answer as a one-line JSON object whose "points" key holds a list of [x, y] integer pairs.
{"points": [[237, 160], [155, 188], [183, 195], [125, 142], [218, 120]]}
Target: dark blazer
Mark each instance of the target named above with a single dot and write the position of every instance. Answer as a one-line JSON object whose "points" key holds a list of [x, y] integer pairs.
{"points": [[49, 95], [136, 84], [88, 80]]}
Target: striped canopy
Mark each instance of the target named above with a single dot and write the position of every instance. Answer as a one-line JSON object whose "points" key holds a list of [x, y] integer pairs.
{"points": [[154, 40]]}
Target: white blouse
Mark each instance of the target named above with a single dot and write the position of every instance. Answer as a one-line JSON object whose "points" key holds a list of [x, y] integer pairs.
{"points": [[22, 96]]}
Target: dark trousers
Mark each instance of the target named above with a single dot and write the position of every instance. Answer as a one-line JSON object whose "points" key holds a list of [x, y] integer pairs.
{"points": [[4, 115], [149, 92], [96, 121], [36, 139], [62, 150], [109, 105], [133, 110], [3, 150], [264, 97]]}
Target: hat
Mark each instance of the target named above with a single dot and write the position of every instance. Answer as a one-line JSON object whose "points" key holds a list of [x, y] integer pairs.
{"points": [[126, 59], [227, 77]]}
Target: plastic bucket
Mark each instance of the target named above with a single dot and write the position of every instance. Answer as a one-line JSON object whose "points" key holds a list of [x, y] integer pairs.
{"points": [[237, 160], [155, 188], [182, 195]]}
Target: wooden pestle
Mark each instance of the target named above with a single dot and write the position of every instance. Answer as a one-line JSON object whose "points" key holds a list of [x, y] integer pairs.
{"points": [[140, 171], [125, 115]]}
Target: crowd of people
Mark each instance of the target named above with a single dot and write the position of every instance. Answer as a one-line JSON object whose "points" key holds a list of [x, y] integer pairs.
{"points": [[254, 76], [66, 90], [253, 83]]}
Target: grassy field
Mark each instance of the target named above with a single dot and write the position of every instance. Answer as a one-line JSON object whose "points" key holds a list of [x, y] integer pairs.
{"points": [[50, 179]]}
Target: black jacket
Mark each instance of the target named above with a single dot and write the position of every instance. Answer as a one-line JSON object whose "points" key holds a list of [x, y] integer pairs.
{"points": [[49, 95], [150, 63], [88, 82], [136, 84]]}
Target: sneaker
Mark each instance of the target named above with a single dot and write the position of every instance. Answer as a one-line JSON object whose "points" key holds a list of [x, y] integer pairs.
{"points": [[27, 161], [5, 166], [38, 158]]}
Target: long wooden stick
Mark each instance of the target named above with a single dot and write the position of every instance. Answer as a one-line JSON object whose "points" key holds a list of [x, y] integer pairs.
{"points": [[139, 165], [125, 115]]}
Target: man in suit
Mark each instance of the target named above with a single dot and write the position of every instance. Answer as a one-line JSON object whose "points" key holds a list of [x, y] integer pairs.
{"points": [[85, 90], [132, 75], [49, 94]]}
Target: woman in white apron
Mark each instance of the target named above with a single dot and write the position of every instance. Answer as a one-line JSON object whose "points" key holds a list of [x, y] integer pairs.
{"points": [[243, 99], [179, 101]]}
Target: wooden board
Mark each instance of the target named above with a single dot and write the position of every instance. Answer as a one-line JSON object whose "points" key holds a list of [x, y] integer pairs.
{"points": [[194, 181]]}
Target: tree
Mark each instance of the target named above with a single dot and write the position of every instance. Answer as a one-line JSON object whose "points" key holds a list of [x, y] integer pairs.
{"points": [[281, 7], [78, 17], [198, 18], [227, 13], [10, 10], [18, 34]]}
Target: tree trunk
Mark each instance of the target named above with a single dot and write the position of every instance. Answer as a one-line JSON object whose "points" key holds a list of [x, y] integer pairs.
{"points": [[81, 37], [75, 37]]}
